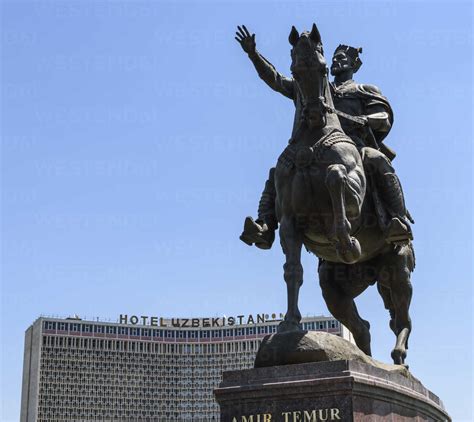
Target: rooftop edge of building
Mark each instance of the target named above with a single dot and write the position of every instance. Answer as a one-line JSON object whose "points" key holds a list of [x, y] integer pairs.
{"points": [[182, 322]]}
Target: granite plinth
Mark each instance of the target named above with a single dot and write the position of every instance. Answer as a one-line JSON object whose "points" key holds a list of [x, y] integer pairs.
{"points": [[342, 390]]}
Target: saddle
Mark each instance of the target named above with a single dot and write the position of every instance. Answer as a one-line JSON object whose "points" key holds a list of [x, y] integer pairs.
{"points": [[299, 156]]}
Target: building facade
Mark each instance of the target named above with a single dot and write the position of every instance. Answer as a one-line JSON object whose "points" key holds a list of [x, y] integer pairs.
{"points": [[76, 370]]}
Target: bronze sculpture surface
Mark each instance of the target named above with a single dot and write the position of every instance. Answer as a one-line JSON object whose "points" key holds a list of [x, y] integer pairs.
{"points": [[334, 190]]}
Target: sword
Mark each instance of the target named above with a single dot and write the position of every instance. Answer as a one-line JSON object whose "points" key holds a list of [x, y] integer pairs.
{"points": [[356, 119], [359, 120], [363, 122]]}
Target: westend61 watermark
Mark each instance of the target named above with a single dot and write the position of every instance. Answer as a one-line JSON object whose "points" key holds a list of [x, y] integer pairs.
{"points": [[224, 321]]}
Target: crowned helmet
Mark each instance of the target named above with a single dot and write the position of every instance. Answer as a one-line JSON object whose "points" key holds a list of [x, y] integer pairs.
{"points": [[353, 53]]}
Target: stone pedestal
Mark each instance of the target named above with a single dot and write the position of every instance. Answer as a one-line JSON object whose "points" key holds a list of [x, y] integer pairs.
{"points": [[344, 390]]}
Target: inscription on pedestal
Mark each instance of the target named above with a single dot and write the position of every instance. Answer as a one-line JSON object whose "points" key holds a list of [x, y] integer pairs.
{"points": [[314, 415]]}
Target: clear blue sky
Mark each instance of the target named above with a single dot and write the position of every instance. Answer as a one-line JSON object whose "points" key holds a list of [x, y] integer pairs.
{"points": [[137, 136]]}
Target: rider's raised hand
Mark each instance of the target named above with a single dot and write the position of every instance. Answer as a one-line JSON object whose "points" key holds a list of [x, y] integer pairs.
{"points": [[245, 39]]}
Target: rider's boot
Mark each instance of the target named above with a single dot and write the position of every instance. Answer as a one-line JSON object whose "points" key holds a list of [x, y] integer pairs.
{"points": [[398, 230], [261, 232], [257, 232]]}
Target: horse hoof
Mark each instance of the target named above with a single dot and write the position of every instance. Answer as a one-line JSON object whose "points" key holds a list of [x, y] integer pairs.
{"points": [[287, 326], [398, 356], [351, 253]]}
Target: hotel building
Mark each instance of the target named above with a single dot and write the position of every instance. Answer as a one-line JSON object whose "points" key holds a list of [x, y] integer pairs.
{"points": [[139, 368]]}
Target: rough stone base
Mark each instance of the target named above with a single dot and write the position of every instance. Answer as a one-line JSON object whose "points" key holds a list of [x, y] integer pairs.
{"points": [[313, 346], [344, 390]]}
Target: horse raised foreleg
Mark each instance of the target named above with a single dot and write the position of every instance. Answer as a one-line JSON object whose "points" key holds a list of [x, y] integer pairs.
{"points": [[291, 242], [348, 247]]}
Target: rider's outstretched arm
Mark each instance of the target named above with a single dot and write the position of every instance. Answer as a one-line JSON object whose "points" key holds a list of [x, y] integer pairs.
{"points": [[272, 78], [265, 69]]}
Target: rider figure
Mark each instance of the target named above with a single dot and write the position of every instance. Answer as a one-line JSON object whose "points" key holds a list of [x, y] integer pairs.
{"points": [[361, 100]]}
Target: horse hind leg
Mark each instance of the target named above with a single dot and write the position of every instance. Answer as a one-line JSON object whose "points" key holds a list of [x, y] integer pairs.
{"points": [[387, 301], [342, 306], [348, 247], [401, 297], [292, 243], [398, 281]]}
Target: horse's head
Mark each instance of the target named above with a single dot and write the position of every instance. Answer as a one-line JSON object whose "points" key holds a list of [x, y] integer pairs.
{"points": [[309, 70]]}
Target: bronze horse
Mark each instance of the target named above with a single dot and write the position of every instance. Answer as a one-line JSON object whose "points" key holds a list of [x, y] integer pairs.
{"points": [[325, 201]]}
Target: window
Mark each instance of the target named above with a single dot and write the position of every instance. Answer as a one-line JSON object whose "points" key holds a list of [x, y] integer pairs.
{"points": [[49, 325], [99, 329], [123, 331]]}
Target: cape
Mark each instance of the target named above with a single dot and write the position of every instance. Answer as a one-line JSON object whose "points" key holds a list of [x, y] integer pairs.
{"points": [[372, 95]]}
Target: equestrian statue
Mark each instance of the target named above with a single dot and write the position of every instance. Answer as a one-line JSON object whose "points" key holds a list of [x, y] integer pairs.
{"points": [[334, 190]]}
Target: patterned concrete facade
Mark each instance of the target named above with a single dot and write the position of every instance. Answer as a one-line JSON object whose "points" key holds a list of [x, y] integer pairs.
{"points": [[77, 370]]}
